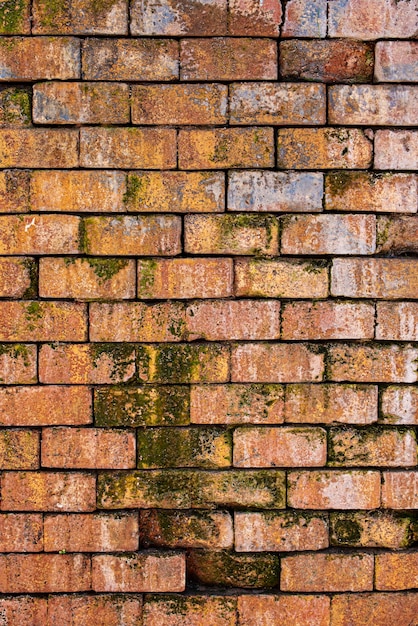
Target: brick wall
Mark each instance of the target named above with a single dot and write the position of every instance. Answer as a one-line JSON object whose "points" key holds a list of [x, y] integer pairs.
{"points": [[209, 283]]}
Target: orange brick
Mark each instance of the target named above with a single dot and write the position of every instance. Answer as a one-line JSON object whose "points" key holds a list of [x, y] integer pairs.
{"points": [[19, 449], [397, 234], [15, 107], [323, 148], [305, 18], [228, 569], [15, 20], [334, 490], [148, 148], [400, 490], [396, 150], [185, 278], [15, 276], [396, 571], [397, 321], [372, 19], [87, 279], [40, 58], [225, 148], [39, 234], [286, 610], [223, 58], [42, 321], [396, 61], [375, 529], [231, 234], [167, 17], [375, 278], [139, 572], [383, 105], [373, 363], [131, 235], [327, 572], [88, 532], [371, 608], [400, 405], [283, 278], [112, 610], [24, 610], [390, 448], [18, 364], [254, 18], [41, 406], [80, 17], [88, 448], [21, 532], [14, 191], [38, 147], [44, 573], [179, 104], [184, 610]]}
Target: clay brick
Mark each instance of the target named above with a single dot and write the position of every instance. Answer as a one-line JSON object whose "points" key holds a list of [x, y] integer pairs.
{"points": [[139, 572], [15, 20], [397, 321], [279, 447], [276, 363], [14, 191], [168, 17], [328, 320], [130, 59], [281, 278], [327, 61], [400, 490], [179, 104], [39, 58], [365, 191], [185, 278], [375, 278], [80, 17], [281, 532], [39, 234], [236, 404], [370, 530], [396, 150], [42, 406], [323, 148], [85, 532], [337, 489], [18, 364], [24, 610], [19, 449], [400, 405], [286, 610], [87, 279], [277, 103], [48, 491], [109, 610], [186, 529], [275, 192], [84, 364], [224, 58], [15, 107], [397, 234], [81, 103], [226, 569], [396, 571], [189, 610], [372, 19], [38, 147], [132, 235], [325, 404], [327, 572], [175, 192], [371, 608], [254, 18], [305, 18], [44, 573], [396, 61], [42, 321], [225, 148], [21, 532], [390, 448], [373, 363], [15, 276], [231, 234]]}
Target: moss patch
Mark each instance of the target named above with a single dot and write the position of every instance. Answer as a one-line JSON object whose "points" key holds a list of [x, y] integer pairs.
{"points": [[12, 16]]}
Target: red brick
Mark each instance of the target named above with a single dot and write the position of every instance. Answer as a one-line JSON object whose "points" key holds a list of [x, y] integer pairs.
{"points": [[40, 58], [38, 147], [168, 17], [372, 608], [354, 489], [396, 150], [18, 364], [375, 529], [400, 405], [226, 569], [397, 321], [44, 573], [396, 571], [224, 58], [400, 490], [255, 18], [103, 610], [139, 572], [15, 18], [375, 278], [189, 610], [277, 103], [20, 532], [396, 61], [85, 532], [19, 449], [276, 363], [24, 610], [305, 18], [14, 191], [48, 491], [327, 572], [42, 321], [15, 276], [90, 448], [390, 448], [39, 406], [286, 610], [372, 19], [80, 17], [39, 234], [397, 234], [373, 363]]}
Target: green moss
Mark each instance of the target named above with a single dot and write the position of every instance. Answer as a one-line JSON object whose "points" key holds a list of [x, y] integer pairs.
{"points": [[16, 351], [316, 266], [12, 16], [121, 355], [339, 182], [228, 569], [32, 268], [83, 238], [220, 153], [347, 530], [105, 269], [33, 313], [383, 231], [136, 188], [16, 107], [146, 277], [53, 12], [183, 362]]}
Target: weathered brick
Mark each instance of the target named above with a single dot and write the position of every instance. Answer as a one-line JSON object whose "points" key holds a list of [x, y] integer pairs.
{"points": [[398, 234], [21, 532], [88, 532], [254, 18], [396, 150], [130, 59], [373, 363], [44, 573], [139, 572], [396, 571], [48, 491], [400, 490], [80, 17], [337, 489], [374, 278], [327, 572], [371, 608], [179, 104], [15, 107], [15, 276], [38, 147], [275, 192], [390, 448], [42, 321], [323, 148], [168, 17], [14, 191], [81, 103], [396, 61], [18, 364], [277, 103], [305, 18], [39, 58], [223, 58], [327, 61], [19, 449], [370, 530], [400, 405], [109, 610], [189, 610], [281, 278], [397, 321], [226, 569], [286, 610], [231, 234], [24, 610], [372, 19], [39, 234], [15, 19], [226, 148]]}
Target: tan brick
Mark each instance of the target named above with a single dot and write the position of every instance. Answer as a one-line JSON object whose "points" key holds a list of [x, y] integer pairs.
{"points": [[371, 608], [231, 234], [80, 17], [327, 572], [226, 148], [224, 58], [372, 19], [375, 529], [86, 532], [149, 148], [398, 234], [39, 234], [396, 571], [14, 191], [15, 107], [130, 59], [276, 363], [375, 278], [48, 491], [281, 278], [42, 321], [305, 18], [286, 610], [400, 405], [397, 321], [277, 103], [167, 17], [400, 490], [87, 279], [44, 573], [189, 610], [78, 610], [39, 58], [21, 532], [323, 148], [255, 18], [38, 147], [15, 20], [228, 569], [382, 105], [337, 489], [18, 364], [38, 406], [15, 276], [373, 363], [19, 449], [179, 104], [24, 609], [185, 278], [139, 572], [390, 448], [396, 61], [396, 150]]}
